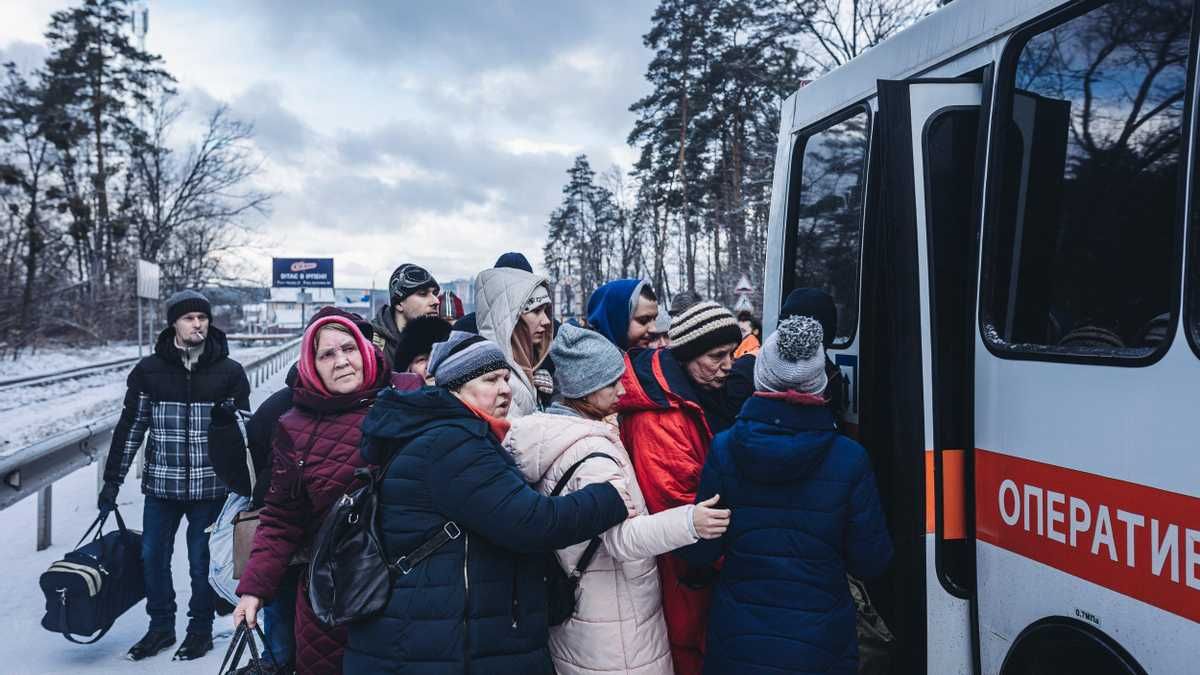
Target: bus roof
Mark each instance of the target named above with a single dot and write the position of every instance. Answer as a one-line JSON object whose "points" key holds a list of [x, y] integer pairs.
{"points": [[954, 29]]}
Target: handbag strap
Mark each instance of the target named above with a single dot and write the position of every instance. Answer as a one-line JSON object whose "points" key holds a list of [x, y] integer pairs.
{"points": [[594, 544], [62, 621], [234, 651], [449, 532], [98, 525], [241, 416]]}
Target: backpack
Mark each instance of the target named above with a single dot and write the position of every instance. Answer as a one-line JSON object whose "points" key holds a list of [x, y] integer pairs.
{"points": [[561, 587], [95, 583], [349, 574], [223, 541]]}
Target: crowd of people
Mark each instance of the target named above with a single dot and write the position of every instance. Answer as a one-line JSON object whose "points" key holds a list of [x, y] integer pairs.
{"points": [[685, 472]]}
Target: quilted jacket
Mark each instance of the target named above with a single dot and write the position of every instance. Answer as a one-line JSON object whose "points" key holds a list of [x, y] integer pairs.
{"points": [[666, 433], [805, 512], [618, 625], [313, 461], [500, 293], [478, 603], [173, 405]]}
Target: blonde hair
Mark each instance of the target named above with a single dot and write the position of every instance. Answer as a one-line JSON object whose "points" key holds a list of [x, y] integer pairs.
{"points": [[316, 339]]}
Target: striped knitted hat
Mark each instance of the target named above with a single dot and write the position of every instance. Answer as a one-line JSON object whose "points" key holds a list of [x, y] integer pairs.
{"points": [[462, 358], [701, 327]]}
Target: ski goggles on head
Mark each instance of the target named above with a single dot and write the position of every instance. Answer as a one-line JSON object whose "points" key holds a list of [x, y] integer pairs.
{"points": [[408, 279]]}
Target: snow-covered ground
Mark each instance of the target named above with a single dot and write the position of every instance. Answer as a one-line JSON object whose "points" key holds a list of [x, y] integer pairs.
{"points": [[55, 358], [29, 414], [28, 649]]}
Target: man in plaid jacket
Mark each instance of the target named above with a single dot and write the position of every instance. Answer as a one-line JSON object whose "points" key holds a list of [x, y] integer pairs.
{"points": [[170, 395]]}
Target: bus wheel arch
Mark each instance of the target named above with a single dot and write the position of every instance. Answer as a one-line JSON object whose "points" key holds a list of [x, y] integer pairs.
{"points": [[1060, 645]]}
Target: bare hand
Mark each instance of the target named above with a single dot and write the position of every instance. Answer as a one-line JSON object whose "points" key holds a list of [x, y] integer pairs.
{"points": [[710, 522], [247, 610], [626, 496]]}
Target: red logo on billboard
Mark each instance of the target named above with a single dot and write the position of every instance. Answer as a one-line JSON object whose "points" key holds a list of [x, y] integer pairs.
{"points": [[303, 266]]}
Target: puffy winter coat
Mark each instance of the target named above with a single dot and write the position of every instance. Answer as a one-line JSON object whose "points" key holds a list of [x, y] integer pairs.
{"points": [[500, 293], [805, 512], [478, 603], [385, 332], [313, 461], [618, 625], [665, 430], [174, 405], [227, 446]]}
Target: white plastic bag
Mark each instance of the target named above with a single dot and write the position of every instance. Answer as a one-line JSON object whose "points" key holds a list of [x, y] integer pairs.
{"points": [[220, 548]]}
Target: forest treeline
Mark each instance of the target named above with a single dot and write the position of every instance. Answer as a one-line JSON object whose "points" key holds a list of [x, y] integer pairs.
{"points": [[692, 212], [90, 181]]}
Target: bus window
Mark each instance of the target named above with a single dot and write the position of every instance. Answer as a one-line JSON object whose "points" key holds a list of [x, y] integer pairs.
{"points": [[1083, 257], [825, 215]]}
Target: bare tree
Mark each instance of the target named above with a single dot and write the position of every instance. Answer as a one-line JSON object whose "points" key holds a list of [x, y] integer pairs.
{"points": [[831, 32], [196, 209]]}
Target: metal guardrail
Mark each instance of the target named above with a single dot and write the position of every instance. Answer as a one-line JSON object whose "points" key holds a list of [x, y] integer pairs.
{"points": [[34, 468], [70, 374]]}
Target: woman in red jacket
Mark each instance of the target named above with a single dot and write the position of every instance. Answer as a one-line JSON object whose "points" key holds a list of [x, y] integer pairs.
{"points": [[672, 403], [315, 455]]}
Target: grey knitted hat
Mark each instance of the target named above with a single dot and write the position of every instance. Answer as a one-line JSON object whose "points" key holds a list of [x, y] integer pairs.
{"points": [[185, 302], [462, 358], [584, 361], [792, 358]]}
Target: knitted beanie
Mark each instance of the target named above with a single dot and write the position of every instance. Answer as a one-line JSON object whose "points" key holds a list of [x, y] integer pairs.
{"points": [[462, 358], [408, 279], [682, 301], [792, 358], [185, 302], [418, 338], [584, 361], [701, 327], [816, 303]]}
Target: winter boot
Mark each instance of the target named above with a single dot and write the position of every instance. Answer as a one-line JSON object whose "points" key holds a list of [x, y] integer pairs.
{"points": [[152, 643], [194, 646]]}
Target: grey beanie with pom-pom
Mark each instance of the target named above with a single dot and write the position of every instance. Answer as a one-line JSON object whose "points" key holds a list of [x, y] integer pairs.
{"points": [[792, 358]]}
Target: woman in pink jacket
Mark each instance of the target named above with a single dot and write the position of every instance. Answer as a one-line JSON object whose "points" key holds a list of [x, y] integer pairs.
{"points": [[618, 625]]}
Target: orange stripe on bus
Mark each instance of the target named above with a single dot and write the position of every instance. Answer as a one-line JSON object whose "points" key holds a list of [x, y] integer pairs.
{"points": [[953, 503]]}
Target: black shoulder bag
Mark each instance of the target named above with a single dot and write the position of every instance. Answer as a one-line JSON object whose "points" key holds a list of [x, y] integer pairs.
{"points": [[560, 586], [349, 574]]}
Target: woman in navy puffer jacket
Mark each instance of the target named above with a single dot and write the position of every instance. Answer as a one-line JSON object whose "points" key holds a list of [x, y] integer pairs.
{"points": [[805, 513], [477, 604]]}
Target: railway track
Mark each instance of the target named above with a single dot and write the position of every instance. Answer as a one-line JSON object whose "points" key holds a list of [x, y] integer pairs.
{"points": [[75, 373]]}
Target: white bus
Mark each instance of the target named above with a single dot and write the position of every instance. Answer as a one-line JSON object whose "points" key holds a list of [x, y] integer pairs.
{"points": [[1001, 202]]}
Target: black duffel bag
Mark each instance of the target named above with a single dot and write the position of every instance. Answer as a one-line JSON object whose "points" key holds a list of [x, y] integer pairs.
{"points": [[94, 584]]}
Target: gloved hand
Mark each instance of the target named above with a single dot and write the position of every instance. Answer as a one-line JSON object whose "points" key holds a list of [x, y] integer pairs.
{"points": [[543, 381], [224, 413], [108, 497]]}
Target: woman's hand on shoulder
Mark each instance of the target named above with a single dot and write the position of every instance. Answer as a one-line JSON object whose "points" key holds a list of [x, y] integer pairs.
{"points": [[710, 522]]}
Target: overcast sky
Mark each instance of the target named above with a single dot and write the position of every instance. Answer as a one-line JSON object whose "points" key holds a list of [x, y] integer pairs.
{"points": [[430, 132]]}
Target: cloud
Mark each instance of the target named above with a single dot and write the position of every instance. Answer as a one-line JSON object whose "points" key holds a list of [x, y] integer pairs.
{"points": [[27, 55]]}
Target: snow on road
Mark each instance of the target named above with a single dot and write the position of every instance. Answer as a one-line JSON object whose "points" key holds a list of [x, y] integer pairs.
{"points": [[28, 649], [29, 414]]}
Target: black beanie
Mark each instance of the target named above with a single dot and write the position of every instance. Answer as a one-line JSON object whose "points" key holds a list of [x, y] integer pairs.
{"points": [[185, 302], [418, 338], [408, 279], [515, 260], [816, 303]]}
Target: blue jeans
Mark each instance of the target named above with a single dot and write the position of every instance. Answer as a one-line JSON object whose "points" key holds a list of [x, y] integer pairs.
{"points": [[279, 619], [160, 523]]}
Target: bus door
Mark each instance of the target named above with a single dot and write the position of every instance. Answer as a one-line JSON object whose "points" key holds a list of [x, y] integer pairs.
{"points": [[1086, 479], [919, 274]]}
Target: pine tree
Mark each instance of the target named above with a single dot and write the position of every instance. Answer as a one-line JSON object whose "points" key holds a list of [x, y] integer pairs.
{"points": [[95, 80]]}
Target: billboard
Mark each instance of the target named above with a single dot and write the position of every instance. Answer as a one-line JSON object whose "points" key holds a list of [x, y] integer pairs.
{"points": [[302, 272]]}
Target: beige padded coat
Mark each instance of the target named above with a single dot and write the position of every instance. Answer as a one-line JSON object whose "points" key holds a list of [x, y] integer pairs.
{"points": [[618, 625]]}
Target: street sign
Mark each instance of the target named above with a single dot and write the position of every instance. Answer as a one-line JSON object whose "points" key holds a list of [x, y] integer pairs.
{"points": [[302, 272], [147, 280], [743, 286]]}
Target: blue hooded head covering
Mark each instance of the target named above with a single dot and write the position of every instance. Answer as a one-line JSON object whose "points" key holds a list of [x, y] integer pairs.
{"points": [[610, 307]]}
